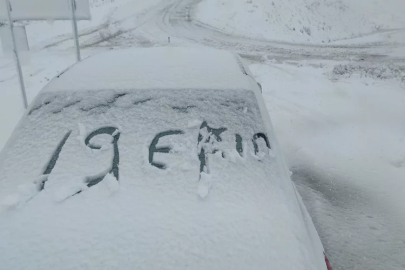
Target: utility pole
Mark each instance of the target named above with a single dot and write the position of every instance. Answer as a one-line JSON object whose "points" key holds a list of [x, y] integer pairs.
{"points": [[16, 56], [74, 26]]}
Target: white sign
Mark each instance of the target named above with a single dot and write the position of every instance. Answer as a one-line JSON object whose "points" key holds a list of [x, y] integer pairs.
{"points": [[45, 10], [20, 39]]}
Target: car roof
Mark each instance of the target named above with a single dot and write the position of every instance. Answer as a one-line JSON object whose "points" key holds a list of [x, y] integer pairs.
{"points": [[154, 68]]}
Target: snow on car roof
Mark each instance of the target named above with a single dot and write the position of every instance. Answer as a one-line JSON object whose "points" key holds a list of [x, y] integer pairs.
{"points": [[156, 68]]}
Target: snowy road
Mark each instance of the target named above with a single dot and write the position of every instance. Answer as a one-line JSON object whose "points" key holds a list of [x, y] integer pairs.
{"points": [[343, 138], [126, 25], [176, 19]]}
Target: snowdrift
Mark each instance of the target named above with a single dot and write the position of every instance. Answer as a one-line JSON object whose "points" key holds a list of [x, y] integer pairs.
{"points": [[304, 21]]}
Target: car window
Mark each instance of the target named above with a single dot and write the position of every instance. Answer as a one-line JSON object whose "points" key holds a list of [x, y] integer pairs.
{"points": [[91, 134]]}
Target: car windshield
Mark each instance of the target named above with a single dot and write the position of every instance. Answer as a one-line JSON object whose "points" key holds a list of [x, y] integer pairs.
{"points": [[173, 172], [91, 134]]}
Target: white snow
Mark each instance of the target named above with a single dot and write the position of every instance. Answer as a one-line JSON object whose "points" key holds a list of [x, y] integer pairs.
{"points": [[204, 185], [157, 68], [344, 142], [343, 139], [62, 186], [238, 214], [52, 51], [194, 123], [308, 21]]}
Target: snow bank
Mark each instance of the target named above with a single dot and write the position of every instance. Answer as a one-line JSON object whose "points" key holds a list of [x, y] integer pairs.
{"points": [[344, 142], [375, 71], [311, 21]]}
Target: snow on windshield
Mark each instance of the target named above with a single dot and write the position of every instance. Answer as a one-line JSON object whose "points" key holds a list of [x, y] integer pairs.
{"points": [[149, 179]]}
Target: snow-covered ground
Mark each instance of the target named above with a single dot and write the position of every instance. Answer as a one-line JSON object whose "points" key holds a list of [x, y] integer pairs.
{"points": [[337, 108], [307, 21], [345, 143]]}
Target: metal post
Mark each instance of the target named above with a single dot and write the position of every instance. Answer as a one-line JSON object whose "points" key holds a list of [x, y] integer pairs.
{"points": [[74, 26], [16, 57]]}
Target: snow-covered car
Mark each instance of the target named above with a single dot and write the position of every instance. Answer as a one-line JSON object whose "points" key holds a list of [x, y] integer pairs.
{"points": [[160, 158]]}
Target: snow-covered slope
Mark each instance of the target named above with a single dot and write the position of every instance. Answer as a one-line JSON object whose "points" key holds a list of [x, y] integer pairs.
{"points": [[313, 21], [344, 142]]}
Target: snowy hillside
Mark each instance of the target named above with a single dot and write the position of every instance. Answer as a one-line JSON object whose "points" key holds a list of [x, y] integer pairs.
{"points": [[312, 21], [344, 143]]}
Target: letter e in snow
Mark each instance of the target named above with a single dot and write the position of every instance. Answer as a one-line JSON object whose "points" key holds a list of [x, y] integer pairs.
{"points": [[153, 149]]}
